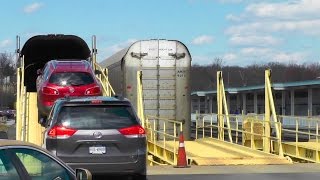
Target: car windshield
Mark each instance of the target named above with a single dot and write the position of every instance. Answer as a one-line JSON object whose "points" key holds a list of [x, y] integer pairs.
{"points": [[71, 78], [97, 117]]}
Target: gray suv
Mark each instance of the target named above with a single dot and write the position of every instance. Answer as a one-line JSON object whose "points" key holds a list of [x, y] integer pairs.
{"points": [[101, 134]]}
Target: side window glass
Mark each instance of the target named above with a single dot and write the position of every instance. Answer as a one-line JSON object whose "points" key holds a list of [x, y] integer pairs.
{"points": [[41, 167], [46, 72], [7, 169]]}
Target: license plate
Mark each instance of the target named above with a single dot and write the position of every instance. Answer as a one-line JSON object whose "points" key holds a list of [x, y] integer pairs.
{"points": [[97, 150]]}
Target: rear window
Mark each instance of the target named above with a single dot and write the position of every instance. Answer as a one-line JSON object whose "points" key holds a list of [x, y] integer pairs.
{"points": [[97, 117], [71, 78]]}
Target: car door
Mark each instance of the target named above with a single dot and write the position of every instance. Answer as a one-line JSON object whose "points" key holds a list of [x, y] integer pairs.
{"points": [[40, 166]]}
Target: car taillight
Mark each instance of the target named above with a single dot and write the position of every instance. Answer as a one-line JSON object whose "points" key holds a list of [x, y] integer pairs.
{"points": [[93, 91], [133, 131], [61, 132], [50, 91]]}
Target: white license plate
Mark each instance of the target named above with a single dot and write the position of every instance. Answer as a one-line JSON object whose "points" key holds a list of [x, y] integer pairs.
{"points": [[97, 150]]}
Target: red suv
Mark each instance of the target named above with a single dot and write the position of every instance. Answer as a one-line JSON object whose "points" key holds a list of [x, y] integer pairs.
{"points": [[60, 78]]}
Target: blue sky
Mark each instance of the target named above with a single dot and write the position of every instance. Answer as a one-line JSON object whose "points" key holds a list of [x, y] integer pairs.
{"points": [[241, 32]]}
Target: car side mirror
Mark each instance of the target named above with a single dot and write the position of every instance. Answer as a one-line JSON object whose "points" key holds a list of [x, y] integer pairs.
{"points": [[83, 174], [39, 71], [42, 121], [97, 72]]}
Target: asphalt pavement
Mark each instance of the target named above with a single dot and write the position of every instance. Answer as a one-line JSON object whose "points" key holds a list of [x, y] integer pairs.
{"points": [[267, 176], [309, 171]]}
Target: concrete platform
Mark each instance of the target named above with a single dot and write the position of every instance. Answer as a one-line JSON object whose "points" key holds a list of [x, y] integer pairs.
{"points": [[209, 151], [240, 169]]}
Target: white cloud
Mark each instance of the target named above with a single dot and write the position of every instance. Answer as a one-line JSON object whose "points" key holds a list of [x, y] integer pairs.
{"points": [[264, 26], [203, 60], [265, 55], [5, 43], [32, 7], [231, 1], [110, 50], [286, 10], [231, 17], [119, 46], [296, 57], [255, 51], [254, 40], [203, 39], [310, 27], [229, 57]]}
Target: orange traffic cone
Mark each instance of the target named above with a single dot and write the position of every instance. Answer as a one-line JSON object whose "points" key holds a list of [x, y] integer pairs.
{"points": [[182, 157]]}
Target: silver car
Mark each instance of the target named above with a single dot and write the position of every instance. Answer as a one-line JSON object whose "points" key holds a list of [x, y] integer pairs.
{"points": [[25, 161], [101, 134]]}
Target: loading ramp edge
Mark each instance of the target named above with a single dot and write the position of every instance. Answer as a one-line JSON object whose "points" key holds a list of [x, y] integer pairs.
{"points": [[166, 155], [300, 152], [238, 161]]}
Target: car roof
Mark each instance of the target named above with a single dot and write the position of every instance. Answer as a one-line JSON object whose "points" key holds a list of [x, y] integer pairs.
{"points": [[6, 142], [86, 99], [71, 66]]}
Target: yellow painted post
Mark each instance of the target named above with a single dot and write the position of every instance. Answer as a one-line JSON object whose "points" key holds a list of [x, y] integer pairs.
{"points": [[274, 116], [34, 129], [297, 136], [226, 111], [317, 134], [23, 113], [219, 107], [203, 127], [251, 134], [271, 108], [23, 102], [18, 105], [197, 124], [106, 81], [266, 138], [140, 107], [237, 129], [222, 104], [211, 123]]}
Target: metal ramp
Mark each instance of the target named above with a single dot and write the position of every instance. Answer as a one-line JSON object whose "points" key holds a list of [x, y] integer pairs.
{"points": [[254, 146], [163, 146], [302, 139], [210, 151], [304, 151]]}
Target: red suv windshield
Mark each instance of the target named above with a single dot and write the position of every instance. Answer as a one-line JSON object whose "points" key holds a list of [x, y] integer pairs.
{"points": [[71, 78]]}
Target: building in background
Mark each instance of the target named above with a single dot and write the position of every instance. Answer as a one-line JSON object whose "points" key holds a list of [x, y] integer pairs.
{"points": [[300, 98]]}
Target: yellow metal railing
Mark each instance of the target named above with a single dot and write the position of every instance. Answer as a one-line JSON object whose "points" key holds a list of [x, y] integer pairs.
{"points": [[247, 130], [222, 104], [302, 138], [104, 80], [163, 138]]}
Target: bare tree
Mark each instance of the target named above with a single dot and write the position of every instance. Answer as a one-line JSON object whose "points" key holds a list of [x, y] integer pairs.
{"points": [[203, 77], [7, 80]]}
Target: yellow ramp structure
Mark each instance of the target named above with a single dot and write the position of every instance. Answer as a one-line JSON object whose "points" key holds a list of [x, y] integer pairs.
{"points": [[210, 151], [307, 151]]}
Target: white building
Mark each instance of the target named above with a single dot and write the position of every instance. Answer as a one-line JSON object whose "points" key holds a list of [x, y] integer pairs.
{"points": [[291, 98]]}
